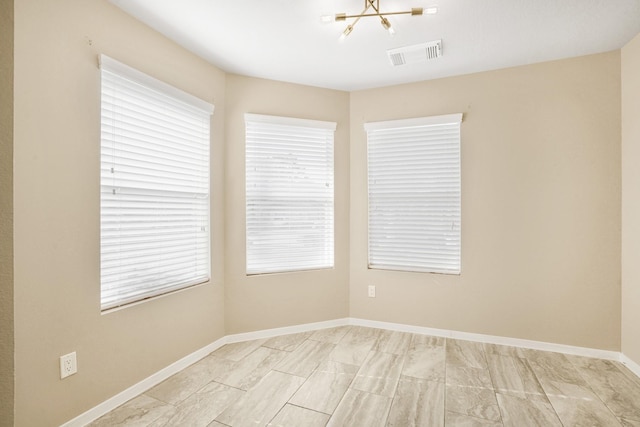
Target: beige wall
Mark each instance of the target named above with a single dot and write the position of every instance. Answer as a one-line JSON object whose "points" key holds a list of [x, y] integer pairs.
{"points": [[276, 300], [56, 212], [6, 213], [541, 209], [631, 200], [540, 205]]}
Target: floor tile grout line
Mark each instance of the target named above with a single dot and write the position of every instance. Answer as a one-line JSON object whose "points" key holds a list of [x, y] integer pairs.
{"points": [[493, 384], [350, 382], [535, 374], [360, 391], [330, 415], [449, 341], [594, 390], [582, 372], [288, 399], [446, 369]]}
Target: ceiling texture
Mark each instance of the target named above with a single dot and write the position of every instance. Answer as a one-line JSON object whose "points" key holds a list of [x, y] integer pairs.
{"points": [[286, 40]]}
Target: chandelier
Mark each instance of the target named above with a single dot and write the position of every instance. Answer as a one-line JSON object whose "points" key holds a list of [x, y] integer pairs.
{"points": [[374, 5]]}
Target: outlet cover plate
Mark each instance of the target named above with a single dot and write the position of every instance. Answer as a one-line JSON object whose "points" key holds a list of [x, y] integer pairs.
{"points": [[372, 291], [68, 365]]}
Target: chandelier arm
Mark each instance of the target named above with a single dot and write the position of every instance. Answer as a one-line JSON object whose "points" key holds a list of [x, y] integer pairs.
{"points": [[357, 18], [375, 5], [365, 15], [368, 3]]}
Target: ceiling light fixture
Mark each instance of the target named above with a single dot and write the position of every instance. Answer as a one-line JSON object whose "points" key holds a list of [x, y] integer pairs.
{"points": [[375, 5]]}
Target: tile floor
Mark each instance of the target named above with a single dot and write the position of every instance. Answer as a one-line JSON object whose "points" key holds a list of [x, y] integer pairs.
{"points": [[356, 376]]}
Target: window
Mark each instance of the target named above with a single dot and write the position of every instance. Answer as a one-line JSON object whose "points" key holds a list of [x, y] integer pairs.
{"points": [[414, 194], [154, 187], [289, 194]]}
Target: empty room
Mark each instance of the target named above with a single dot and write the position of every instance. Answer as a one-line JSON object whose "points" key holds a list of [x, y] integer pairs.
{"points": [[319, 213]]}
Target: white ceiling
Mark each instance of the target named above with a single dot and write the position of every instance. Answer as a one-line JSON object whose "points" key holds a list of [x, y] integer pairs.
{"points": [[285, 39]]}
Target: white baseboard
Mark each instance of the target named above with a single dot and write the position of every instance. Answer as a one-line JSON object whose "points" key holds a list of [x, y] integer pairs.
{"points": [[633, 366], [144, 385], [490, 339], [270, 333], [133, 391]]}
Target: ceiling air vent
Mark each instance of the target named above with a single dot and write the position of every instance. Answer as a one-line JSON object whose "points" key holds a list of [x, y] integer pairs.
{"points": [[416, 53]]}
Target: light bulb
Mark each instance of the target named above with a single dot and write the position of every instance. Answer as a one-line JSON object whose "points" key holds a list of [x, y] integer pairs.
{"points": [[346, 32], [387, 25]]}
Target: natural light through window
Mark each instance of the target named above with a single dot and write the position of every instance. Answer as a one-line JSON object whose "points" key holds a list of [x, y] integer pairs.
{"points": [[154, 187], [414, 194], [289, 194]]}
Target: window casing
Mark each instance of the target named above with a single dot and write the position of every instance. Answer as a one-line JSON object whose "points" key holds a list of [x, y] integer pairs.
{"points": [[289, 194], [154, 187], [414, 194]]}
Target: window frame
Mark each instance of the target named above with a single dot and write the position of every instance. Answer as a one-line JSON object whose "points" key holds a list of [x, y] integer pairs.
{"points": [[386, 228], [271, 131], [156, 187]]}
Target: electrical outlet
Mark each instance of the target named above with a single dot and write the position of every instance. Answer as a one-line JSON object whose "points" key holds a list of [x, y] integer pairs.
{"points": [[68, 365], [372, 291]]}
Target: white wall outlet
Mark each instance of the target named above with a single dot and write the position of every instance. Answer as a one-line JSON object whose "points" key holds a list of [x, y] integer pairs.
{"points": [[68, 365], [372, 291]]}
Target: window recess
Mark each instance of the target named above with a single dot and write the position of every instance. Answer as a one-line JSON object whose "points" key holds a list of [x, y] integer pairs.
{"points": [[154, 187], [414, 194]]}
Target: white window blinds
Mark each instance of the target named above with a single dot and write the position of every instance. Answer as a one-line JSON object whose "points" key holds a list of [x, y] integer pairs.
{"points": [[154, 187], [414, 194], [289, 194]]}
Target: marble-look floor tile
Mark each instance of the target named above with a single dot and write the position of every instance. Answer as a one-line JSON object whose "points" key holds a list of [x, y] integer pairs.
{"points": [[354, 346], [470, 377], [461, 354], [186, 382], [330, 335], [460, 382], [577, 405], [392, 342], [202, 407], [379, 374], [248, 371], [629, 423], [420, 340], [472, 401], [359, 408], [549, 366], [625, 370], [425, 358], [360, 333], [304, 360], [523, 412], [138, 412], [351, 354], [462, 420], [417, 403], [292, 415], [238, 350], [619, 392], [603, 365], [324, 389], [261, 403], [287, 342], [503, 350], [359, 336], [163, 420], [514, 376]]}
